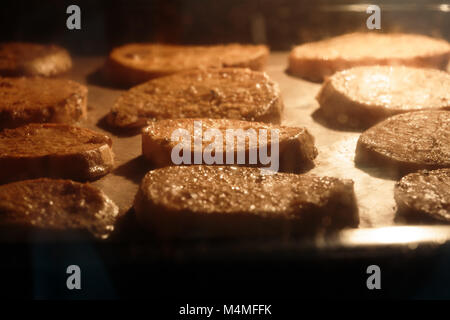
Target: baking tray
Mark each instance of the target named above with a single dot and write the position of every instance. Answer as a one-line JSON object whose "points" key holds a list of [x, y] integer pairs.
{"points": [[132, 260], [336, 148]]}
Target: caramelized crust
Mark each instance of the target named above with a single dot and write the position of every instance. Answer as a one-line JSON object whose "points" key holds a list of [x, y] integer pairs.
{"points": [[39, 100], [317, 60], [407, 142], [30, 59], [54, 150], [424, 196], [132, 64], [213, 93], [221, 201], [296, 145], [363, 96], [56, 205]]}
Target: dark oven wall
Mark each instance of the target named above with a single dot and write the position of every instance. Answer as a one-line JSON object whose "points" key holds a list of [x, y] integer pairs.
{"points": [[277, 23]]}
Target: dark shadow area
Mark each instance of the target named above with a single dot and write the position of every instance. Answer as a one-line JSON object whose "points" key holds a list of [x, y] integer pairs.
{"points": [[128, 230], [305, 167], [280, 24], [292, 75], [382, 166], [134, 169], [379, 172], [26, 235], [99, 78], [102, 123], [319, 116], [242, 264], [412, 217], [293, 163]]}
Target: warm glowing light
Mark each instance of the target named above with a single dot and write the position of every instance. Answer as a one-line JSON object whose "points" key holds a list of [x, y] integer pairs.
{"points": [[392, 235], [362, 7], [444, 7]]}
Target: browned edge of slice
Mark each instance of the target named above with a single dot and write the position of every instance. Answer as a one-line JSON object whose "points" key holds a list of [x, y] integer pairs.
{"points": [[368, 155], [49, 209], [122, 76], [121, 73], [343, 110], [419, 199], [175, 96], [317, 69], [340, 112], [296, 145], [41, 100], [31, 59], [177, 218], [69, 158], [256, 61]]}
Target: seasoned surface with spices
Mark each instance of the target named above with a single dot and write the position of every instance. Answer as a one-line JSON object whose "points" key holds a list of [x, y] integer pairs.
{"points": [[227, 200], [56, 205], [213, 93], [425, 195]]}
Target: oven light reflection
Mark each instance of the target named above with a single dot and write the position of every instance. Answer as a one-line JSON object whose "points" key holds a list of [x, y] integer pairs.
{"points": [[362, 7], [396, 235], [444, 7]]}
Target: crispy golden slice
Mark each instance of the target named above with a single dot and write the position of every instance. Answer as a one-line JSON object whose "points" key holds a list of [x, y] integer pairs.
{"points": [[229, 93], [56, 205], [225, 201], [39, 100], [317, 60], [296, 150], [363, 96], [424, 196], [132, 64], [406, 143], [31, 59], [54, 150]]}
